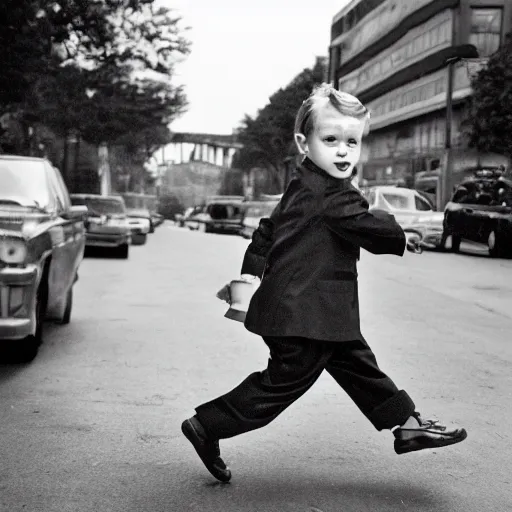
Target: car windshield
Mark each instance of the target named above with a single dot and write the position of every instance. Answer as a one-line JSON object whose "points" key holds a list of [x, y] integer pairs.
{"points": [[24, 182], [100, 205], [219, 211], [398, 201]]}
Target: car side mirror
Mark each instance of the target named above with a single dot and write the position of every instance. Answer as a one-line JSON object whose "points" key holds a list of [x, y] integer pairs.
{"points": [[76, 212]]}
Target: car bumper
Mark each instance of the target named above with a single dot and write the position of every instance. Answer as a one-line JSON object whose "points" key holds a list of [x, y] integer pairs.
{"points": [[144, 230], [231, 228], [106, 240], [17, 302]]}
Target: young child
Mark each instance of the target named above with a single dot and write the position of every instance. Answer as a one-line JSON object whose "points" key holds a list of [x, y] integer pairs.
{"points": [[306, 308]]}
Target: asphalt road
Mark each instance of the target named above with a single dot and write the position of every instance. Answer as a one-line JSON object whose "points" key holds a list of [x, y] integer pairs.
{"points": [[93, 424]]}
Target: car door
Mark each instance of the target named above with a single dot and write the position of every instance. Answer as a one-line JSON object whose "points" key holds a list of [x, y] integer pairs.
{"points": [[476, 214], [454, 223], [65, 247], [465, 218], [423, 208], [497, 208], [77, 222]]}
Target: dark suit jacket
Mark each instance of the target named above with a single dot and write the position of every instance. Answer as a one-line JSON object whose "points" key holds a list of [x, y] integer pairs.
{"points": [[306, 254]]}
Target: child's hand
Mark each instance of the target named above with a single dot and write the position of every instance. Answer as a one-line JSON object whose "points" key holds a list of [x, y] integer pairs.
{"points": [[225, 294]]}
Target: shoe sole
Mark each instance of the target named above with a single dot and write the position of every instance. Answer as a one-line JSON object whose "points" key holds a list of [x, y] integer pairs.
{"points": [[191, 434], [425, 443]]}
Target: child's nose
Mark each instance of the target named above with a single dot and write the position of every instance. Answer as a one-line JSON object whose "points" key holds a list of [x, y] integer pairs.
{"points": [[342, 149]]}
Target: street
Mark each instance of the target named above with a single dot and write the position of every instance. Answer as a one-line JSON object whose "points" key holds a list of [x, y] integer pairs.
{"points": [[93, 424]]}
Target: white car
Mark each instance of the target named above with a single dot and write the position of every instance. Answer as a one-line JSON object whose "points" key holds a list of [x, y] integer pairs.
{"points": [[140, 225], [410, 209]]}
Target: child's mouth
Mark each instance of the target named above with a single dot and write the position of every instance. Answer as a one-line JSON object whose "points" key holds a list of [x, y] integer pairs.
{"points": [[343, 166]]}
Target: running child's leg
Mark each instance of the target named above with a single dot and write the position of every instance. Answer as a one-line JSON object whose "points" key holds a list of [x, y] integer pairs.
{"points": [[293, 367], [354, 366]]}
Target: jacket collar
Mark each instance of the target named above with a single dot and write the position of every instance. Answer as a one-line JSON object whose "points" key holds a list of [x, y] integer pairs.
{"points": [[318, 179]]}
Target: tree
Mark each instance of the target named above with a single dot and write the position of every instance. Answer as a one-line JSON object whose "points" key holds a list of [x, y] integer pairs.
{"points": [[268, 137], [488, 125], [102, 68]]}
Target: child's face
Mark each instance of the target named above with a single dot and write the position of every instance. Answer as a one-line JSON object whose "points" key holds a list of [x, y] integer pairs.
{"points": [[335, 141]]}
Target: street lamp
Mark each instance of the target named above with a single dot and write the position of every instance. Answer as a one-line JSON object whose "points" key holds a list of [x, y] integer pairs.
{"points": [[466, 51]]}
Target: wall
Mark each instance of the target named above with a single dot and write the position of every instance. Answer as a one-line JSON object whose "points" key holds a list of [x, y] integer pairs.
{"points": [[192, 182], [419, 97], [418, 43], [377, 24]]}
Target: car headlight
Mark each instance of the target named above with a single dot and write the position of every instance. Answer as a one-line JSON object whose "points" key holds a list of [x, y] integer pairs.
{"points": [[12, 251]]}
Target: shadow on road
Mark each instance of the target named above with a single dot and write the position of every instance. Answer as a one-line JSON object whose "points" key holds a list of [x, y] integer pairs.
{"points": [[100, 253], [8, 365], [469, 251], [317, 494]]}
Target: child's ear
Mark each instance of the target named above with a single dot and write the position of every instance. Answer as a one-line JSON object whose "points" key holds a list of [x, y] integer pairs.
{"points": [[301, 142]]}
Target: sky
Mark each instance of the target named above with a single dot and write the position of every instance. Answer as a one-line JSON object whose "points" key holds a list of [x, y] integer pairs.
{"points": [[241, 55]]}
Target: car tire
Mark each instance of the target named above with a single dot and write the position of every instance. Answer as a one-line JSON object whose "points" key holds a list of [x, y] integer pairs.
{"points": [[69, 307], [139, 239], [123, 251], [494, 244], [456, 240], [450, 243]]}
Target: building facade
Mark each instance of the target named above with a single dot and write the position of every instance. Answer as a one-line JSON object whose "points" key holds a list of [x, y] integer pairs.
{"points": [[401, 57]]}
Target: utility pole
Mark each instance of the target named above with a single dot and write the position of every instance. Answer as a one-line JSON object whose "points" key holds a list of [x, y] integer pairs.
{"points": [[466, 51], [447, 169]]}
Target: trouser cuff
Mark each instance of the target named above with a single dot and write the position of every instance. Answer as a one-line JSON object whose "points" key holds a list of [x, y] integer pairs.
{"points": [[394, 411], [215, 421]]}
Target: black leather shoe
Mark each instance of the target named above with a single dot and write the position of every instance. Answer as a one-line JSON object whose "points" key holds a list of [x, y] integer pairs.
{"points": [[429, 434], [207, 449]]}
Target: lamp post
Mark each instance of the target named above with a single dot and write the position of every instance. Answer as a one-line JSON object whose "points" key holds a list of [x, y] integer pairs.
{"points": [[467, 51]]}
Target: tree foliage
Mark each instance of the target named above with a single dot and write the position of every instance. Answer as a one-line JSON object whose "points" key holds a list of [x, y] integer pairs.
{"points": [[102, 68], [488, 125], [268, 137]]}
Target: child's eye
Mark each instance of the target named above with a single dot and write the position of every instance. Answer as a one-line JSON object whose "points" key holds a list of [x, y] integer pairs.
{"points": [[352, 142], [330, 139]]}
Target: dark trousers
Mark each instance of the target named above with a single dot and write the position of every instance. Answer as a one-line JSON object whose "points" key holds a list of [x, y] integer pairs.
{"points": [[293, 367]]}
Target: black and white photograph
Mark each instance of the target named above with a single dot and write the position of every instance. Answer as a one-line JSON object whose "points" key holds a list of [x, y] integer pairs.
{"points": [[255, 256]]}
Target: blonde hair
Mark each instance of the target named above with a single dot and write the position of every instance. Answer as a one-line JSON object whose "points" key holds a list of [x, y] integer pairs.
{"points": [[343, 102]]}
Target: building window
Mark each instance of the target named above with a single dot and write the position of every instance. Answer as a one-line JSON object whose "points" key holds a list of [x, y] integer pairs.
{"points": [[486, 29]]}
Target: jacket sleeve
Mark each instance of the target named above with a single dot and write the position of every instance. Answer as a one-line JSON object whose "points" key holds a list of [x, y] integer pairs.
{"points": [[262, 239], [377, 231]]}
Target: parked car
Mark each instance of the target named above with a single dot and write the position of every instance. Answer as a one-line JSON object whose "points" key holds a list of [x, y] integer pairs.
{"points": [[140, 224], [106, 223], [157, 219], [42, 241], [411, 210], [225, 215], [480, 211]]}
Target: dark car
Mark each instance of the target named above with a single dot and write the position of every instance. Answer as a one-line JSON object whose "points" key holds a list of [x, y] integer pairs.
{"points": [[42, 240], [106, 224], [480, 211], [226, 215]]}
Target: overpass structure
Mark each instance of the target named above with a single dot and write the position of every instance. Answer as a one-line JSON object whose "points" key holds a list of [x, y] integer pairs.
{"points": [[200, 147]]}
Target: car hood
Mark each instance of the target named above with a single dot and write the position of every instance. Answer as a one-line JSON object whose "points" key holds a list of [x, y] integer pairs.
{"points": [[19, 222]]}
